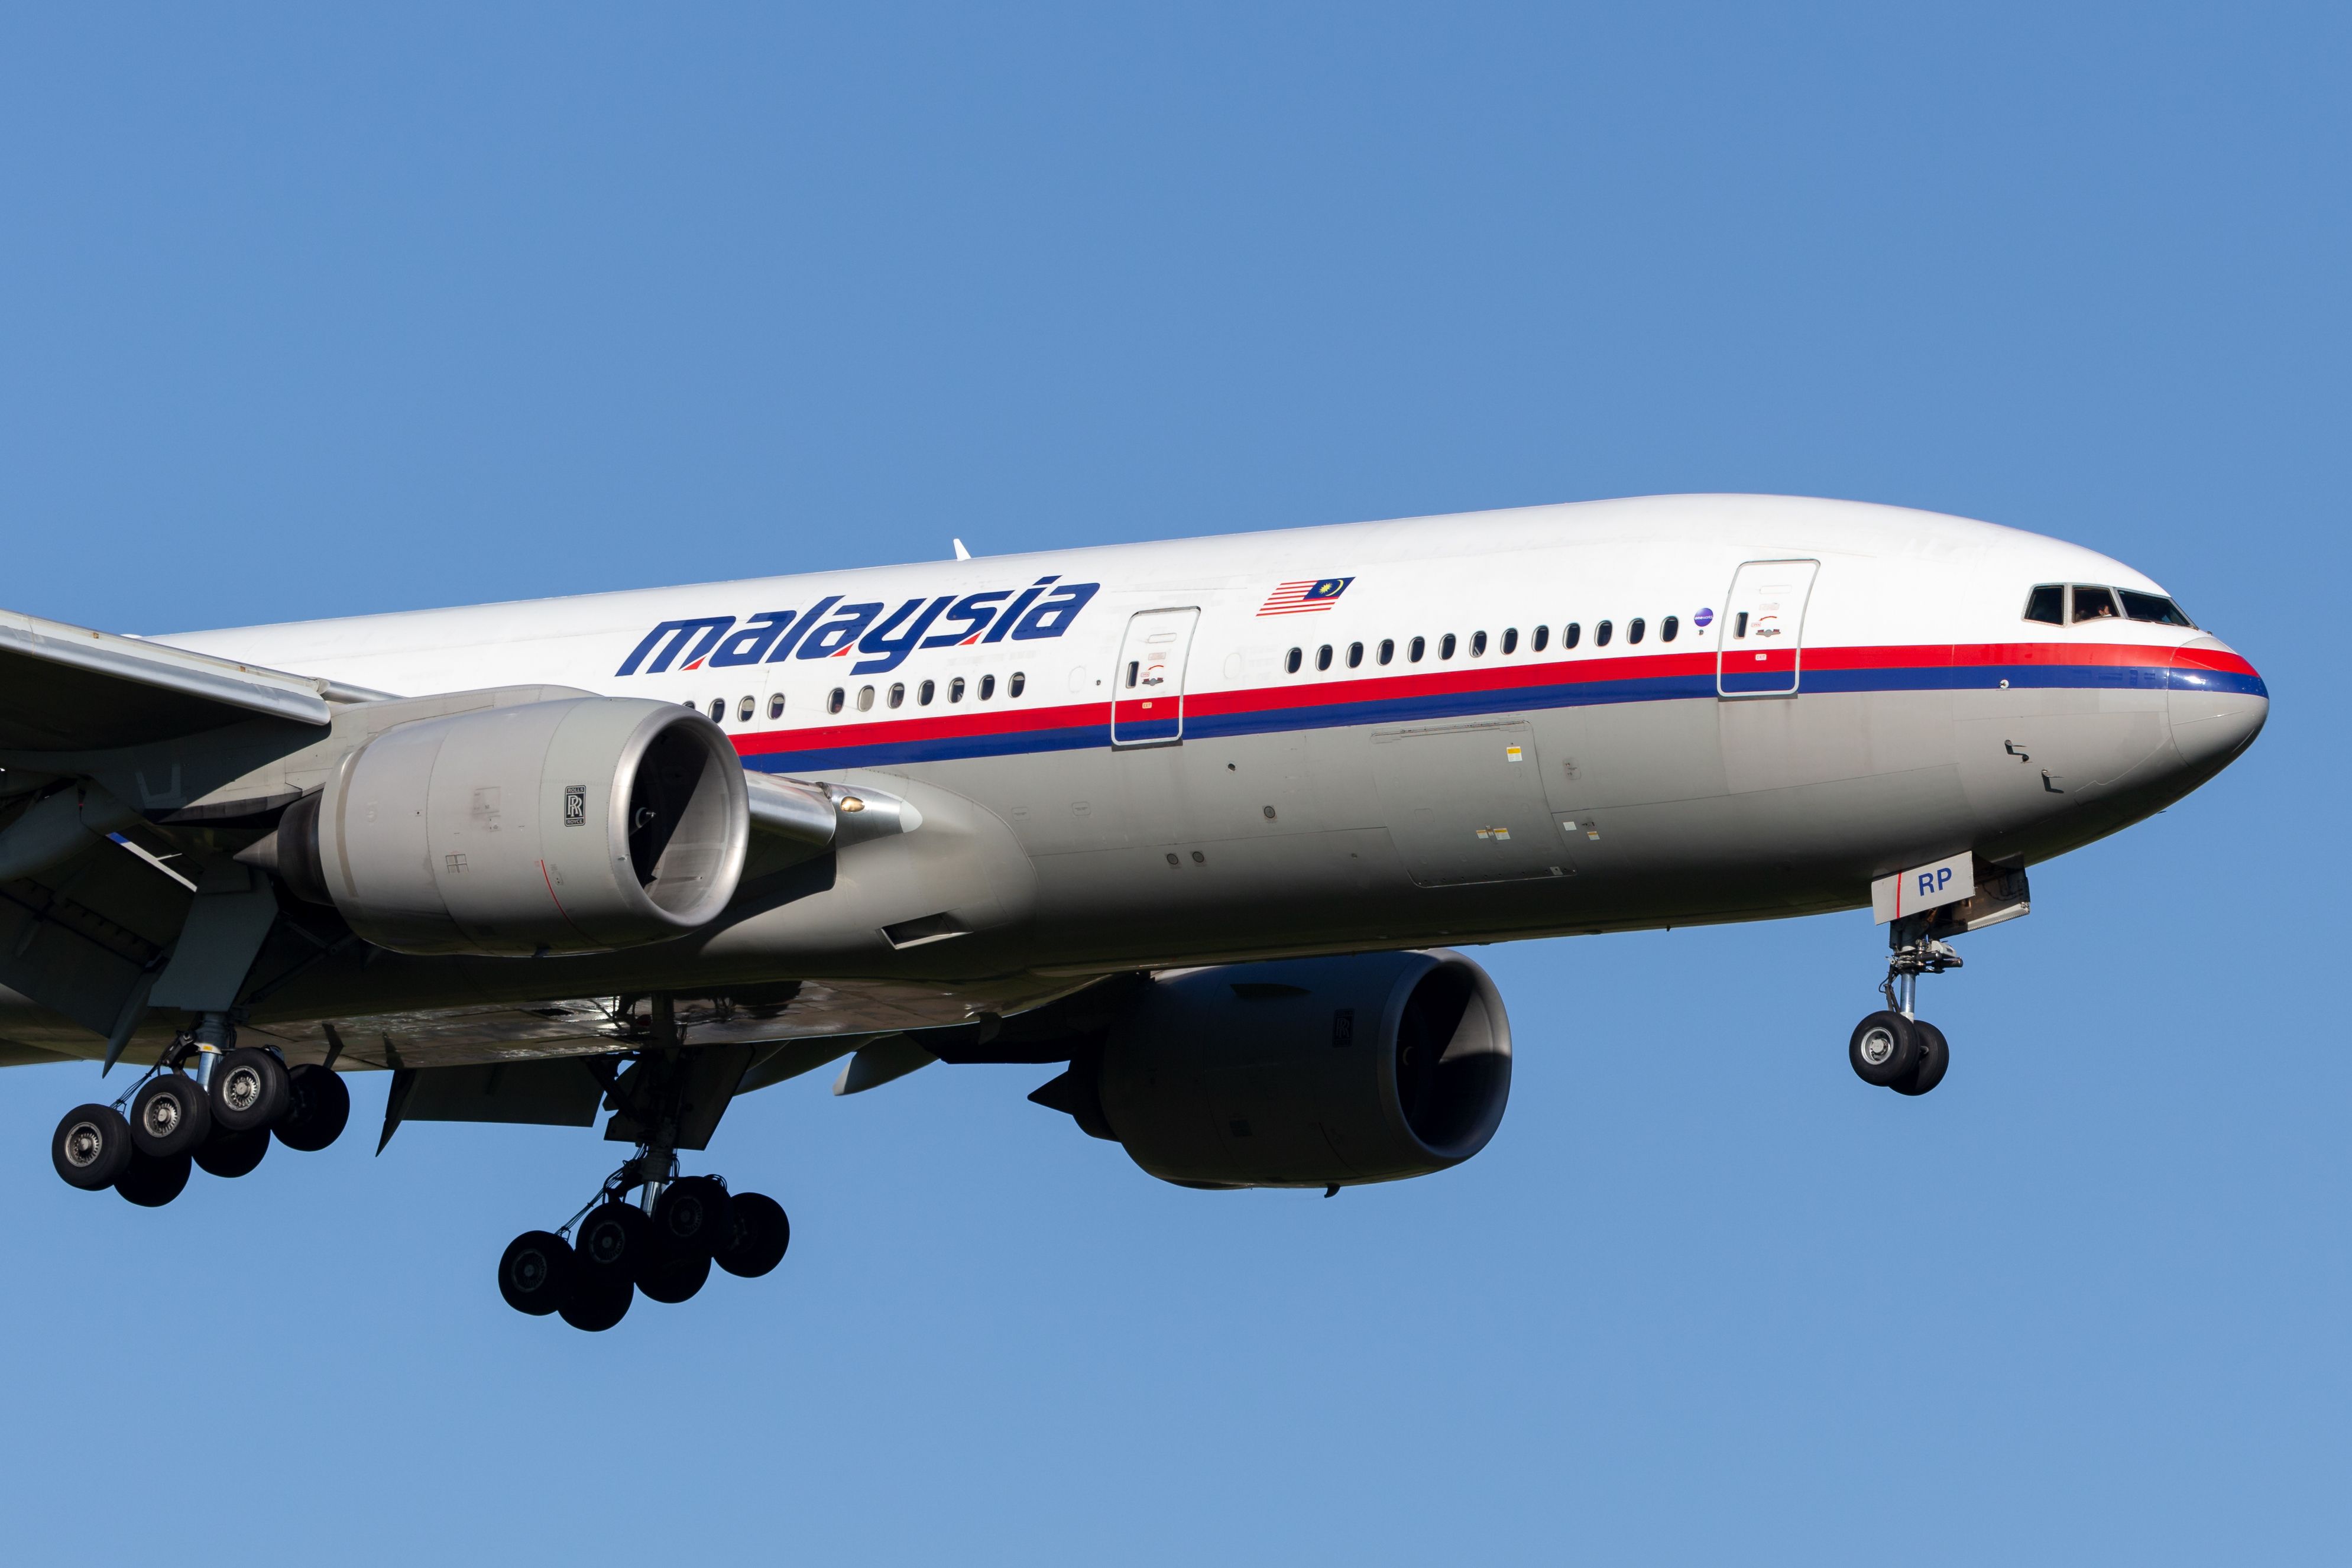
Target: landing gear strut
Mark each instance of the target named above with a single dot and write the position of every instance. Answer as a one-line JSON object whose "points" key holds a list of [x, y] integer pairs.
{"points": [[1895, 1047]]}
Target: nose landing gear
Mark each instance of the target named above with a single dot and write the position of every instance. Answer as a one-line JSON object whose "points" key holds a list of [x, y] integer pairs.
{"points": [[1895, 1047]]}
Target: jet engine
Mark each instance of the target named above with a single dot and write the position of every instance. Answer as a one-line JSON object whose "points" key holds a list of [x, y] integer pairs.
{"points": [[1304, 1073], [577, 826]]}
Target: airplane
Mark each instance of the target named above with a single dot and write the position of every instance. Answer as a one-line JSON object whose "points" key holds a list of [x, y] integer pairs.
{"points": [[1202, 824]]}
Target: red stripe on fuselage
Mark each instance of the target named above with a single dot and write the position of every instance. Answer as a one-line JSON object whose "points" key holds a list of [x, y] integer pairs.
{"points": [[1575, 669]]}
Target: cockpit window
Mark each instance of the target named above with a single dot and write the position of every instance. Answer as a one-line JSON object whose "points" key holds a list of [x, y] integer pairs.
{"points": [[2094, 605], [2047, 603], [2153, 607]]}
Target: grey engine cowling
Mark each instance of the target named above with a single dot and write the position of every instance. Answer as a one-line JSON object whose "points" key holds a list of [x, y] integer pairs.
{"points": [[1303, 1073], [578, 825]]}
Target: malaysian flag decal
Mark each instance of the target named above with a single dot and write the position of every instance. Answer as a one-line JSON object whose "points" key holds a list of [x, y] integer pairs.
{"points": [[1311, 593]]}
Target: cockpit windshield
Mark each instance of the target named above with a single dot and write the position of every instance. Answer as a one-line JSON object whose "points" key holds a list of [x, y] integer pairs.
{"points": [[2056, 605], [2153, 607], [2094, 605]]}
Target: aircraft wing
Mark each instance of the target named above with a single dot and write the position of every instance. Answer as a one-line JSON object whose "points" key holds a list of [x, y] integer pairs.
{"points": [[69, 688]]}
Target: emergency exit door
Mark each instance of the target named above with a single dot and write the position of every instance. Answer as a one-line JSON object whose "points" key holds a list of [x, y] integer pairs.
{"points": [[1146, 708], [1759, 644]]}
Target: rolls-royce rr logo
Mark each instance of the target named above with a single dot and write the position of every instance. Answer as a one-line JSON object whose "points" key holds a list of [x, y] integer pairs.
{"points": [[575, 806]]}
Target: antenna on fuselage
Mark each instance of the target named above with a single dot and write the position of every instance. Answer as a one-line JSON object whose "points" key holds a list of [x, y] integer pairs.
{"points": [[961, 553]]}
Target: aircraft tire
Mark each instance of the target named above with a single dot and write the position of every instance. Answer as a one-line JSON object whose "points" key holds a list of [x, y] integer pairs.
{"points": [[1882, 1049], [1935, 1057], [171, 1118], [613, 1244], [594, 1307], [673, 1279], [758, 1234], [316, 1107], [233, 1154], [690, 1219], [92, 1147], [151, 1183], [248, 1090], [536, 1273]]}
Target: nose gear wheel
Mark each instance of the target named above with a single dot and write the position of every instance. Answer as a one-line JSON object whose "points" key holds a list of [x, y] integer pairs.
{"points": [[1895, 1047]]}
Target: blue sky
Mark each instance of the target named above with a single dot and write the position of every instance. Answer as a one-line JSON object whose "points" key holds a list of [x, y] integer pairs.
{"points": [[307, 314]]}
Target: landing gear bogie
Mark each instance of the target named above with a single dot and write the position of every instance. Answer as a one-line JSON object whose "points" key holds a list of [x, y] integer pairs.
{"points": [[662, 1248], [222, 1122]]}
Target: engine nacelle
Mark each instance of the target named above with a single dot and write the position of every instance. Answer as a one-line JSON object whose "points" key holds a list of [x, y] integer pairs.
{"points": [[1305, 1073], [577, 826]]}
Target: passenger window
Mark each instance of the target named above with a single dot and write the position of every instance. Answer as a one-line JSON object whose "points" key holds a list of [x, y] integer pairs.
{"points": [[718, 709], [1670, 628], [1420, 646], [1739, 627], [1134, 666], [925, 692], [987, 687], [1323, 657], [1013, 687], [2094, 605], [897, 692], [1601, 632], [1355, 655], [1445, 646], [1510, 639], [776, 706], [2047, 603], [865, 699], [1541, 640], [1633, 632], [1388, 650], [1571, 634], [1298, 657], [2153, 607], [833, 703], [1477, 645], [955, 690]]}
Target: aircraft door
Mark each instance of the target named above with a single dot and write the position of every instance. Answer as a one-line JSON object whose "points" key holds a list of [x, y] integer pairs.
{"points": [[1759, 640], [1147, 705]]}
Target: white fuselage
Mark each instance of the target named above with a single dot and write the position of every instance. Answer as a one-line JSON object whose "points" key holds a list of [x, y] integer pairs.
{"points": [[1379, 734]]}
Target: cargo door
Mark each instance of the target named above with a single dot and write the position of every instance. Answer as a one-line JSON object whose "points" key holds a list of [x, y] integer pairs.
{"points": [[1464, 803]]}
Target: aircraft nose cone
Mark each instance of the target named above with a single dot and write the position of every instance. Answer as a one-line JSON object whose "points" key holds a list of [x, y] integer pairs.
{"points": [[2216, 701]]}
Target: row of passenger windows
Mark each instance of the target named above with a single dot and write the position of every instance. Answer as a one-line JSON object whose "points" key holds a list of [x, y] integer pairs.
{"points": [[2058, 605], [926, 693], [1417, 649]]}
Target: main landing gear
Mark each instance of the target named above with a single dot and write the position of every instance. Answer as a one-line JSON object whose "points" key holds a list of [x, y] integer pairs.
{"points": [[220, 1119], [662, 1247], [1895, 1047]]}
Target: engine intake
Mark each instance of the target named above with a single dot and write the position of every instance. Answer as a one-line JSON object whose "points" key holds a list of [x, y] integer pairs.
{"points": [[1305, 1073], [577, 826]]}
